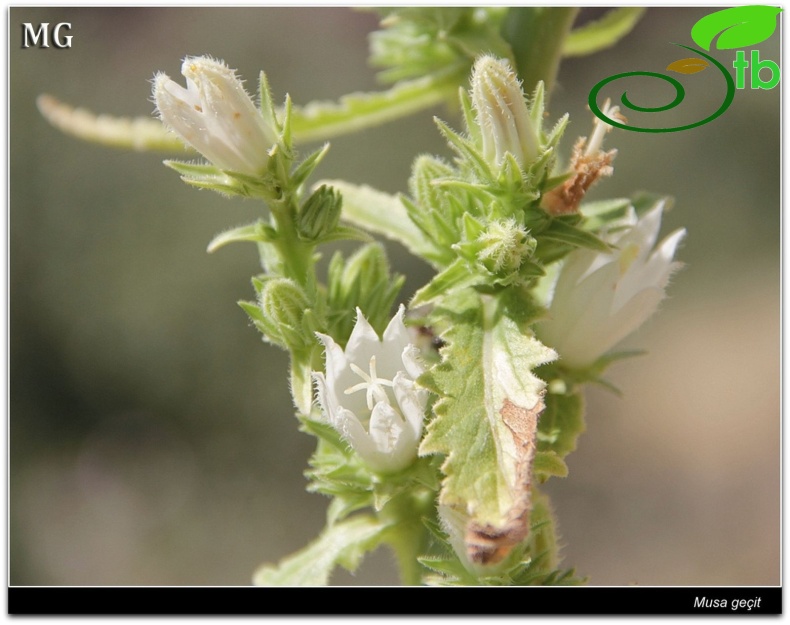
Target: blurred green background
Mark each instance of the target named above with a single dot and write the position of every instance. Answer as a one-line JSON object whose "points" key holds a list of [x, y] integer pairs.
{"points": [[151, 433]]}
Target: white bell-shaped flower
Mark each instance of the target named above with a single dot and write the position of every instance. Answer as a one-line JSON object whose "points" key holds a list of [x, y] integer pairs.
{"points": [[369, 395], [600, 298], [215, 115]]}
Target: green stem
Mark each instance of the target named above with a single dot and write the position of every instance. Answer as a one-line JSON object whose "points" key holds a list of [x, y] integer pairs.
{"points": [[537, 36], [296, 256], [408, 536]]}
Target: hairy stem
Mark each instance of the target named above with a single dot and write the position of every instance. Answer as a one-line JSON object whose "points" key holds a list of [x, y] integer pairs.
{"points": [[409, 536]]}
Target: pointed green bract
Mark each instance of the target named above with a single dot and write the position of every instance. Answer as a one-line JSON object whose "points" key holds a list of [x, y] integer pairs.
{"points": [[257, 231]]}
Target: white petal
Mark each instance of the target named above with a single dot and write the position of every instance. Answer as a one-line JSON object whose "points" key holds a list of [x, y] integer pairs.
{"points": [[645, 233], [352, 431], [412, 361], [385, 428], [396, 331], [363, 342], [412, 402], [335, 358], [396, 337], [396, 448]]}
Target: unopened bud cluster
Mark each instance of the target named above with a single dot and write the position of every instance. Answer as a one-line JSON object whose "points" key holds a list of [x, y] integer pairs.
{"points": [[504, 247], [285, 315], [320, 214]]}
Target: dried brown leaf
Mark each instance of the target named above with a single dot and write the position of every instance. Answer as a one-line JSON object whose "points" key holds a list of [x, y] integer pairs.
{"points": [[489, 544]]}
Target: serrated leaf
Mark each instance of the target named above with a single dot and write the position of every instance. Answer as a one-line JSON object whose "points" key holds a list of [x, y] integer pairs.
{"points": [[603, 33], [138, 133], [343, 543], [738, 27], [690, 65], [486, 419], [357, 111]]}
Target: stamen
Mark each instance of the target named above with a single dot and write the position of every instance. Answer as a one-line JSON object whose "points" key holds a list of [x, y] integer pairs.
{"points": [[371, 383]]}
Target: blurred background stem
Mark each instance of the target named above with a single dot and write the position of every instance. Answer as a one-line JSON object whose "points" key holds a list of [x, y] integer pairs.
{"points": [[536, 35]]}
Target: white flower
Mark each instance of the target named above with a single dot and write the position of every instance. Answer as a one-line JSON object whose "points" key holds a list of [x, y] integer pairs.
{"points": [[369, 394], [600, 298], [502, 114], [215, 115]]}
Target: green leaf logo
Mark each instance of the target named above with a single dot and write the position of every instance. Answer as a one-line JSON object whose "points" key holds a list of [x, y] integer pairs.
{"points": [[687, 66], [739, 27]]}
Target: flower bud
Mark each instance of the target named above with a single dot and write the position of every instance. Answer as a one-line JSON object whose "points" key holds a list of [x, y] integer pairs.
{"points": [[283, 304], [363, 281], [504, 246], [502, 114], [215, 115], [320, 214]]}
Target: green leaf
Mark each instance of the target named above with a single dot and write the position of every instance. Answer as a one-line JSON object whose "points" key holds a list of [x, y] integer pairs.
{"points": [[416, 41], [486, 418], [318, 121], [380, 213], [457, 275], [138, 133], [344, 544], [548, 464], [563, 232], [604, 207], [603, 33], [739, 27], [561, 423]]}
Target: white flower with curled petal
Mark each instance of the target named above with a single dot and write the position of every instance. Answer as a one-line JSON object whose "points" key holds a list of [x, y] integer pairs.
{"points": [[215, 115], [600, 298], [369, 395]]}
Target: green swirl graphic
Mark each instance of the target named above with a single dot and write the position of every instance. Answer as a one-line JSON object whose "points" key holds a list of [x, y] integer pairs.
{"points": [[680, 93]]}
